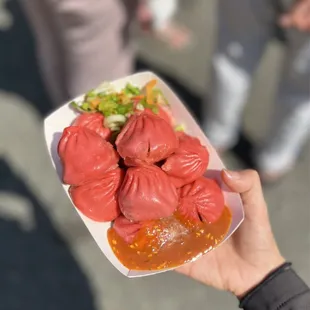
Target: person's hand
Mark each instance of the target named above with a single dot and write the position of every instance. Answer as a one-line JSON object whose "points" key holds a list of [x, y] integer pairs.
{"points": [[298, 17], [144, 17], [251, 253]]}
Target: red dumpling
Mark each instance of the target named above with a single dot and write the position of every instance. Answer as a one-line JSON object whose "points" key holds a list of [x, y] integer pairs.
{"points": [[93, 121], [85, 155], [188, 163], [126, 228], [147, 194], [202, 200], [146, 138], [163, 113], [98, 199]]}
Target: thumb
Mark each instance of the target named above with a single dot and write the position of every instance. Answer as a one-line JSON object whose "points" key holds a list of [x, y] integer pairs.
{"points": [[247, 184]]}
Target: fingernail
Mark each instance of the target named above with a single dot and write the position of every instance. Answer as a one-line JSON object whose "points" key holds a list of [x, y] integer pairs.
{"points": [[232, 175]]}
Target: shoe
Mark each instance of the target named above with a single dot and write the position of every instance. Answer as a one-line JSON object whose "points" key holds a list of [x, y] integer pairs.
{"points": [[272, 177]]}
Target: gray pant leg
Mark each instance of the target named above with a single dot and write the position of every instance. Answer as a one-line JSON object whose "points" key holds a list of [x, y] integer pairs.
{"points": [[291, 122], [244, 29]]}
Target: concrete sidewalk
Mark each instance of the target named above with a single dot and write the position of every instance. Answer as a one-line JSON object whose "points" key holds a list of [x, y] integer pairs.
{"points": [[48, 260]]}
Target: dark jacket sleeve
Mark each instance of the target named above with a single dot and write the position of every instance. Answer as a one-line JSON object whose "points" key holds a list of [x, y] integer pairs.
{"points": [[283, 289]]}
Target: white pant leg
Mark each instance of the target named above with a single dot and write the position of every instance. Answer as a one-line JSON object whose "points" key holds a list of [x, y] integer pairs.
{"points": [[163, 11], [243, 31], [291, 123]]}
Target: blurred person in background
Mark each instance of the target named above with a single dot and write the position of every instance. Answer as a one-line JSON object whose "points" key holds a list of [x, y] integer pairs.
{"points": [[80, 43], [6, 19], [245, 27]]}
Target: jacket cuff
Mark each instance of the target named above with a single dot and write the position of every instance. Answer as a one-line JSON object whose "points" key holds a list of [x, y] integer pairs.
{"points": [[278, 288]]}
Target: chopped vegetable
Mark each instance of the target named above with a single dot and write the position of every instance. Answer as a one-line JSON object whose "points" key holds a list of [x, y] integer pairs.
{"points": [[124, 109], [140, 107], [149, 92], [131, 90], [137, 98], [179, 128], [91, 94], [159, 97], [94, 103], [154, 108], [113, 121], [76, 106], [126, 102]]}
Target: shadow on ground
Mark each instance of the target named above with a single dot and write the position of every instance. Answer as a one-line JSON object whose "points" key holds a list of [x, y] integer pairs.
{"points": [[37, 268]]}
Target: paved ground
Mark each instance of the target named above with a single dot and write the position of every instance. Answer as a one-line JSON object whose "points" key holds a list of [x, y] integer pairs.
{"points": [[47, 258]]}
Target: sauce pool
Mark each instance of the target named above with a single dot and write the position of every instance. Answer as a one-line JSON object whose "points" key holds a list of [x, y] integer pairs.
{"points": [[169, 242]]}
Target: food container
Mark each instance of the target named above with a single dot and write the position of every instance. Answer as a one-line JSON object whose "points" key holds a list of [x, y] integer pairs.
{"points": [[55, 123]]}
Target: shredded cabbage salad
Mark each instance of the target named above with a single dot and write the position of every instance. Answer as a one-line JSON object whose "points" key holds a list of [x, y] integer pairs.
{"points": [[118, 106]]}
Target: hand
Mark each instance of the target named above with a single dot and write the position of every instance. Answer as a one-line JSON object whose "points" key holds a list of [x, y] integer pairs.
{"points": [[251, 253], [298, 17], [144, 17]]}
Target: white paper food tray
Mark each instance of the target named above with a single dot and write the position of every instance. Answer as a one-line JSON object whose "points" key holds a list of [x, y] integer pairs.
{"points": [[55, 123]]}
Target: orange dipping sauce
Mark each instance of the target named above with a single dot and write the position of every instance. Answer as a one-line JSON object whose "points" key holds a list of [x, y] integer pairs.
{"points": [[169, 242]]}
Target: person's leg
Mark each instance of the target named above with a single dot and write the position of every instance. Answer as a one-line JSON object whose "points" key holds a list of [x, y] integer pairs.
{"points": [[244, 29], [91, 36], [291, 124], [92, 32], [48, 47]]}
